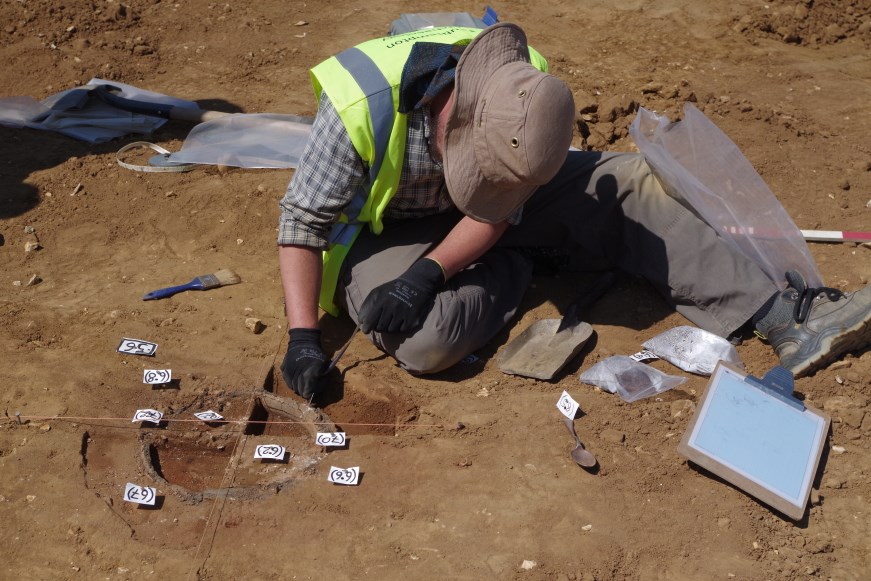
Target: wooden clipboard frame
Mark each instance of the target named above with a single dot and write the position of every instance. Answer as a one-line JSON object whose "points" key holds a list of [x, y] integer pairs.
{"points": [[712, 464]]}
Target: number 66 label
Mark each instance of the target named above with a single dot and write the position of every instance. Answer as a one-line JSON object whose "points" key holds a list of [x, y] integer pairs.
{"points": [[346, 476]]}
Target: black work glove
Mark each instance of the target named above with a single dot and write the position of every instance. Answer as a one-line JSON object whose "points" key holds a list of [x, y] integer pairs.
{"points": [[401, 305], [304, 362]]}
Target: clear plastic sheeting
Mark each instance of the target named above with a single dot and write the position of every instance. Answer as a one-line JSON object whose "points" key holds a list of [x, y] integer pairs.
{"points": [[77, 114], [423, 20], [628, 378], [693, 350], [259, 140], [19, 111], [700, 165]]}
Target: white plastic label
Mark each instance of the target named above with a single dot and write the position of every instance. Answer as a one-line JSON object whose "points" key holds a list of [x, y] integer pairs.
{"points": [[156, 376], [567, 406], [147, 415], [330, 439], [269, 452], [346, 476], [208, 416], [140, 494], [643, 356], [137, 347]]}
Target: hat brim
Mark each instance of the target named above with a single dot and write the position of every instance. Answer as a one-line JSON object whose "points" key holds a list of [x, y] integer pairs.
{"points": [[495, 47]]}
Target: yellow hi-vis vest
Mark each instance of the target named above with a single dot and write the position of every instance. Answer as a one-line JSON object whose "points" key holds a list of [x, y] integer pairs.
{"points": [[362, 83]]}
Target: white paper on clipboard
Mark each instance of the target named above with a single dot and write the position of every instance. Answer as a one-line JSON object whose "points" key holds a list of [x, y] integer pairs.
{"points": [[756, 435]]}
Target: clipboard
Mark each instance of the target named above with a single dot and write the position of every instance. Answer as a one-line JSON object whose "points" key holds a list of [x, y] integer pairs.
{"points": [[756, 435]]}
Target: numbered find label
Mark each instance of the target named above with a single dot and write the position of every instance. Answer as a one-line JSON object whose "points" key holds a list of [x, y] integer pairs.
{"points": [[346, 476], [140, 494], [137, 347], [330, 439]]}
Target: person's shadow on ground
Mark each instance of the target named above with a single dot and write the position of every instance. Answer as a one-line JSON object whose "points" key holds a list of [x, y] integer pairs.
{"points": [[25, 151]]}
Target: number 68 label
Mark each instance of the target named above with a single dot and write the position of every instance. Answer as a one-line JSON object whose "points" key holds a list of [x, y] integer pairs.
{"points": [[346, 476], [156, 376]]}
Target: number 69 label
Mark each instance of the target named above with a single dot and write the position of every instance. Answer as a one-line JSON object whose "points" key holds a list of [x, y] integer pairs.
{"points": [[346, 476]]}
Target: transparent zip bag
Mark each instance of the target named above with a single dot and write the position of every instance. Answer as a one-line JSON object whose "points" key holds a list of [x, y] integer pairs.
{"points": [[629, 379]]}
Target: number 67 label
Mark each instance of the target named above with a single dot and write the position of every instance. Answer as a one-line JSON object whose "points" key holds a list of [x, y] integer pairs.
{"points": [[140, 494]]}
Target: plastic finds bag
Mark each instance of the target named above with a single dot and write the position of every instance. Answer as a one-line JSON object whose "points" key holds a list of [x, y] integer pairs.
{"points": [[692, 349], [628, 378], [699, 164]]}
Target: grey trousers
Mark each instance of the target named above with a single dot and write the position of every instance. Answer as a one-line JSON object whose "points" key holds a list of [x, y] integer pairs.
{"points": [[609, 211]]}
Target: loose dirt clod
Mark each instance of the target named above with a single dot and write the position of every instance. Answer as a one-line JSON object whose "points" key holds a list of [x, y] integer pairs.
{"points": [[256, 326]]}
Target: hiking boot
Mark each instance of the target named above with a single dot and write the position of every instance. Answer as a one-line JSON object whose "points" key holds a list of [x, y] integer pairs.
{"points": [[823, 325]]}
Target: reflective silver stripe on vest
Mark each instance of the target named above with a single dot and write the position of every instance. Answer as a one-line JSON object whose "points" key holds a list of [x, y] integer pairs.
{"points": [[379, 97], [381, 112]]}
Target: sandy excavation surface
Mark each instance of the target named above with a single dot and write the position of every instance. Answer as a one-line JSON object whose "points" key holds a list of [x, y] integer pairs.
{"points": [[789, 82]]}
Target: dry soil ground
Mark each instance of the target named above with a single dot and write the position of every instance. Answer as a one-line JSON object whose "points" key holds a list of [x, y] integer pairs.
{"points": [[789, 82]]}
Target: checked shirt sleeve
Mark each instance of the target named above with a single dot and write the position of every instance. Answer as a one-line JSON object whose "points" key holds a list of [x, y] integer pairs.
{"points": [[328, 174]]}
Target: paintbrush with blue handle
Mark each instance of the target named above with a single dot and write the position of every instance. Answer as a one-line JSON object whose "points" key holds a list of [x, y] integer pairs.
{"points": [[222, 277]]}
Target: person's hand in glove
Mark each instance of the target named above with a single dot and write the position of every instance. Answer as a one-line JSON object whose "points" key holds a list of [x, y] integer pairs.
{"points": [[401, 305], [304, 362]]}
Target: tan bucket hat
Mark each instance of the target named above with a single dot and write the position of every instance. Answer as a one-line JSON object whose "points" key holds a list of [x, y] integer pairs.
{"points": [[510, 127]]}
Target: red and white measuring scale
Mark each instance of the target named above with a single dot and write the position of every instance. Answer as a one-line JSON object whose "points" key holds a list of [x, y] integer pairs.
{"points": [[835, 236]]}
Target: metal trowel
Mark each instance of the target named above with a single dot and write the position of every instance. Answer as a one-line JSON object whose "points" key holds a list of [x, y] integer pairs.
{"points": [[546, 346]]}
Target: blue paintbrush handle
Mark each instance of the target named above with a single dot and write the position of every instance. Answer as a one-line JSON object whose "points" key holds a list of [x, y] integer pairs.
{"points": [[169, 291]]}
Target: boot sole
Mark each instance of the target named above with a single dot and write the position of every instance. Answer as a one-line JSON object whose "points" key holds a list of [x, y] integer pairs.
{"points": [[831, 348]]}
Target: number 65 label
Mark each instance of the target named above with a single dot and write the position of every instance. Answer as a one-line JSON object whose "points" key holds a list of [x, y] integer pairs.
{"points": [[346, 476]]}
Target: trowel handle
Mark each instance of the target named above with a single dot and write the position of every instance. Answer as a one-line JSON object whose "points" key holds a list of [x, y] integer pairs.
{"points": [[194, 115], [588, 296]]}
